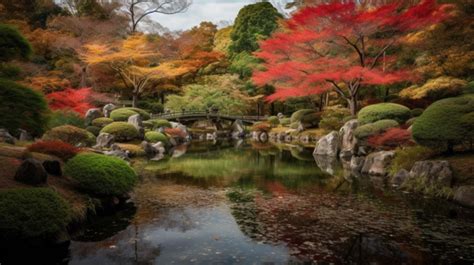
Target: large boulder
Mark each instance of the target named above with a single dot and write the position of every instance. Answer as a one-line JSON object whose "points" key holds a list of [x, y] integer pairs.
{"points": [[400, 177], [348, 140], [464, 195], [53, 167], [118, 152], [91, 115], [31, 172], [107, 109], [154, 152], [378, 163], [137, 122], [24, 136], [328, 145], [263, 137], [104, 140], [436, 172], [6, 137], [328, 164], [237, 130]]}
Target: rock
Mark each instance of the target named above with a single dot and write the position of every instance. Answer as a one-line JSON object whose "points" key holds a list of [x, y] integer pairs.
{"points": [[328, 145], [176, 125], [25, 136], [400, 177], [154, 152], [288, 138], [263, 137], [348, 140], [328, 164], [464, 195], [107, 109], [435, 171], [179, 151], [256, 136], [356, 163], [104, 140], [211, 136], [305, 139], [237, 130], [91, 115], [6, 137], [53, 167], [31, 172], [377, 163], [281, 136], [117, 152], [137, 122], [280, 116]]}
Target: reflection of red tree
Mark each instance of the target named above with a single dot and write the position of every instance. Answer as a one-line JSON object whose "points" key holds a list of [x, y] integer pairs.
{"points": [[276, 188]]}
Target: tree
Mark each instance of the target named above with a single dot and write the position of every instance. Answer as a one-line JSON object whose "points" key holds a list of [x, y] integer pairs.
{"points": [[35, 12], [76, 100], [12, 44], [340, 46], [138, 10]]}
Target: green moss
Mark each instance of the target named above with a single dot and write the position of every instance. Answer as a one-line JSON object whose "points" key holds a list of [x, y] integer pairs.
{"points": [[102, 122], [405, 158], [377, 127], [446, 122], [273, 120], [121, 130], [70, 134], [160, 123], [123, 114], [32, 213], [155, 137], [285, 121], [383, 111], [94, 130], [333, 118], [101, 175], [423, 185], [298, 115]]}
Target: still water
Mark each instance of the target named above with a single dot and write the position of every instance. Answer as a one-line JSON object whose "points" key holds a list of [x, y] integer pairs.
{"points": [[264, 204]]}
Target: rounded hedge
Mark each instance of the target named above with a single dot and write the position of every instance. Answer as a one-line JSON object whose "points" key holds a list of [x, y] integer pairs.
{"points": [[448, 121], [102, 122], [155, 137], [285, 121], [123, 114], [101, 175], [416, 112], [383, 111], [273, 120], [377, 127], [121, 130], [22, 108], [70, 134], [161, 123], [94, 130], [32, 213], [298, 115]]}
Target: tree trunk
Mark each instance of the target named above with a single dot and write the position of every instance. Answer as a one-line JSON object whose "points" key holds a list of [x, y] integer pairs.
{"points": [[352, 101], [162, 97], [134, 100], [83, 77]]}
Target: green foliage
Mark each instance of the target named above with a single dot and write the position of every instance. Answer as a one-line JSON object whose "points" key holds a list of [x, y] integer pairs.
{"points": [[151, 106], [253, 23], [377, 127], [123, 114], [22, 108], [158, 123], [65, 117], [446, 122], [12, 44], [243, 64], [304, 114], [94, 130], [155, 137], [406, 157], [430, 188], [383, 111], [285, 121], [217, 91], [9, 71], [102, 122], [71, 135], [333, 118], [101, 175], [416, 112], [32, 213], [122, 131], [273, 120]]}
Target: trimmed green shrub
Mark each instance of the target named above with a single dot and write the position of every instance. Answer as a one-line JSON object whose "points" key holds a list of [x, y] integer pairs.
{"points": [[377, 127], [311, 120], [70, 134], [102, 122], [273, 120], [333, 118], [65, 117], [94, 130], [148, 125], [261, 127], [123, 114], [411, 121], [161, 123], [155, 137], [446, 123], [416, 112], [101, 175], [383, 111], [22, 108], [285, 121], [32, 213], [298, 115], [122, 131]]}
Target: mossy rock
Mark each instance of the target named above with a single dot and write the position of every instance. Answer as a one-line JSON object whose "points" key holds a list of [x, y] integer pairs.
{"points": [[123, 114], [383, 111], [71, 135], [102, 122], [94, 130], [134, 150], [32, 213], [101, 175], [377, 127], [122, 131], [158, 123], [155, 137]]}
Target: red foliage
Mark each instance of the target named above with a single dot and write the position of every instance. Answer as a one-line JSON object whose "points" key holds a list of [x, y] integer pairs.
{"points": [[76, 100], [60, 149], [175, 132], [327, 47], [393, 137], [262, 127]]}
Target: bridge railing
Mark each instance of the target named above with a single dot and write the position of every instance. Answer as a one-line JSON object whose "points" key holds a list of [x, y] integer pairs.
{"points": [[210, 114]]}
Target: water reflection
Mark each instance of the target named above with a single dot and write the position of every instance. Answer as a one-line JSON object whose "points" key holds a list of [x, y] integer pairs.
{"points": [[259, 203]]}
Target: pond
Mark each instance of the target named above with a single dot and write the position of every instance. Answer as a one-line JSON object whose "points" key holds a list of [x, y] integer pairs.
{"points": [[240, 203]]}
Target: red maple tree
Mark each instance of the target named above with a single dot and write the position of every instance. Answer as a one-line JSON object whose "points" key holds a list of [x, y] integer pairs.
{"points": [[340, 46], [77, 100]]}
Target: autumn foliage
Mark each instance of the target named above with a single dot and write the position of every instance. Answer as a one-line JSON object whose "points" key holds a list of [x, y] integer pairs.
{"points": [[393, 137], [76, 100], [56, 148], [175, 132]]}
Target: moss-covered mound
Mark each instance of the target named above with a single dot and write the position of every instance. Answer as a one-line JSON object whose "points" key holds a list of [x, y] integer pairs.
{"points": [[273, 120], [32, 213], [446, 122], [155, 137], [377, 127], [101, 175], [310, 118], [121, 130], [383, 111], [102, 122], [70, 134], [158, 123], [123, 114], [94, 130], [298, 115]]}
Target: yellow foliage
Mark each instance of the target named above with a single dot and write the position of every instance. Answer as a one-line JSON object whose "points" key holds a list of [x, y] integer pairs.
{"points": [[441, 85]]}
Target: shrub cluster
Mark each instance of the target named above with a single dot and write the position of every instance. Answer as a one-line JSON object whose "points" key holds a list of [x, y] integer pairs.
{"points": [[261, 127], [102, 122], [94, 130], [377, 127], [70, 134], [273, 120], [60, 149], [101, 175], [65, 117], [155, 137], [160, 123], [122, 131], [406, 157], [333, 118], [383, 111], [123, 114], [151, 106]]}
